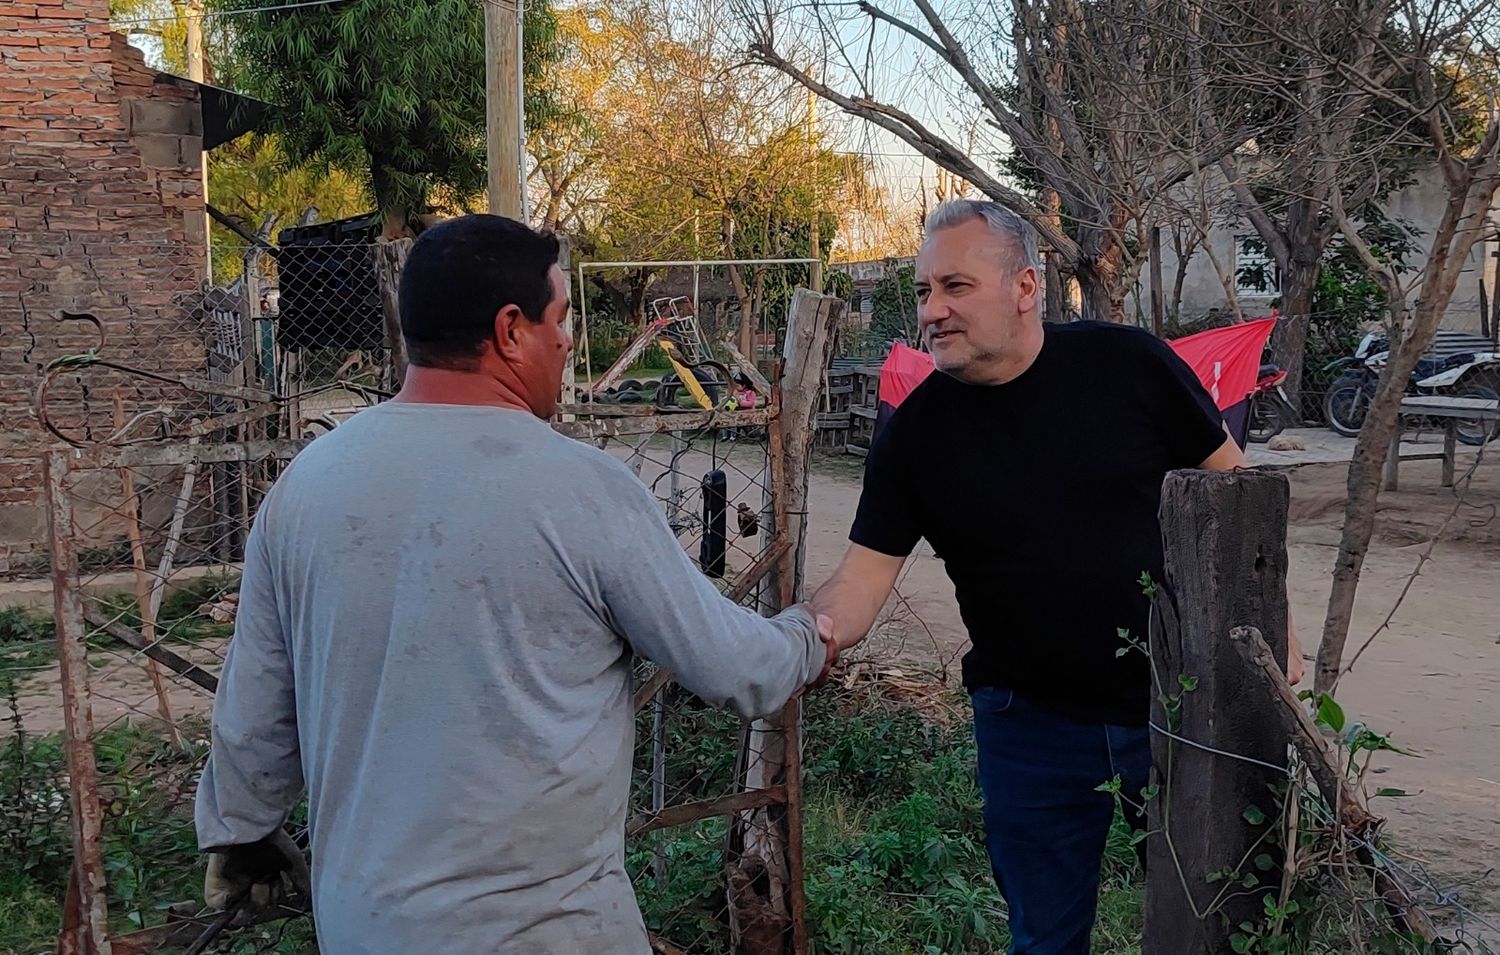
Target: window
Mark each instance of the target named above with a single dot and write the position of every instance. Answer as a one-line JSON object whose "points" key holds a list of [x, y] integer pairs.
{"points": [[1255, 271]]}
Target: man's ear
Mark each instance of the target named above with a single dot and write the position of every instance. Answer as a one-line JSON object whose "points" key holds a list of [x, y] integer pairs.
{"points": [[509, 331], [1027, 287]]}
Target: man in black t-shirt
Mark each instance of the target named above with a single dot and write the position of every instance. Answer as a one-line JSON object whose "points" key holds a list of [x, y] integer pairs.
{"points": [[1033, 465]]}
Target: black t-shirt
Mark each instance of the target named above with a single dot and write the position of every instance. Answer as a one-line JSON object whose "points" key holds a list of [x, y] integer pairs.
{"points": [[1041, 496]]}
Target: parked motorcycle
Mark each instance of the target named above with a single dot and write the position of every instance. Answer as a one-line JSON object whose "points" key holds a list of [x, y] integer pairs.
{"points": [[1271, 411], [1460, 365]]}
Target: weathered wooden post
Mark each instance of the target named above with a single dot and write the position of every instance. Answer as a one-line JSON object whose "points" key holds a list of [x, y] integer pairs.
{"points": [[1225, 540], [767, 907], [390, 259]]}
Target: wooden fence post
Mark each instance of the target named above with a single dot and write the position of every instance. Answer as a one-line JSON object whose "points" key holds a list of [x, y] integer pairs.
{"points": [[772, 838], [1225, 539]]}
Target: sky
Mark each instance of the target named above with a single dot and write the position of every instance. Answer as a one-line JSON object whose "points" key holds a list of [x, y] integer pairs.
{"points": [[897, 67]]}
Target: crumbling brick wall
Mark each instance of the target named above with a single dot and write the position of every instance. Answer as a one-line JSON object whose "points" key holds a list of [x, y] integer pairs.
{"points": [[101, 211]]}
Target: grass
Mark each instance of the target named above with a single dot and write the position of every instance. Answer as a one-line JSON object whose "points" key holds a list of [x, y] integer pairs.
{"points": [[892, 819], [893, 836], [27, 645], [28, 637]]}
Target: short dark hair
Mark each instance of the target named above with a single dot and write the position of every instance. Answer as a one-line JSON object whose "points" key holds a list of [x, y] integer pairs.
{"points": [[459, 274]]}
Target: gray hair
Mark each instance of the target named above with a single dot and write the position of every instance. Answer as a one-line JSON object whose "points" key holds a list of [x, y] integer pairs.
{"points": [[1016, 231]]}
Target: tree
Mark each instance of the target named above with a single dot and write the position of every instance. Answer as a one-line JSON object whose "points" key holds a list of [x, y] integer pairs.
{"points": [[662, 149], [1080, 81], [252, 182], [1315, 131], [1450, 56], [391, 91]]}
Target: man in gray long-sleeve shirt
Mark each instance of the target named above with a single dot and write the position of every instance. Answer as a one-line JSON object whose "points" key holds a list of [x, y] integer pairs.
{"points": [[440, 604]]}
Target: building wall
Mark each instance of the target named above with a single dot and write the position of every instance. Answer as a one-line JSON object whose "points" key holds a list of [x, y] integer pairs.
{"points": [[101, 212], [1421, 204]]}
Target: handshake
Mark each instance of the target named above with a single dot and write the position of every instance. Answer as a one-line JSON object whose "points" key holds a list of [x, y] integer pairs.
{"points": [[835, 641]]}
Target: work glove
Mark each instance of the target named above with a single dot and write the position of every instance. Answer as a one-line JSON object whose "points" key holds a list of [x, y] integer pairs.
{"points": [[256, 875]]}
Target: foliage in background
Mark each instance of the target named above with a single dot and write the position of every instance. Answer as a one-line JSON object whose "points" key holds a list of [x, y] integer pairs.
{"points": [[893, 828], [894, 304], [1346, 301], [391, 92], [252, 178], [661, 148]]}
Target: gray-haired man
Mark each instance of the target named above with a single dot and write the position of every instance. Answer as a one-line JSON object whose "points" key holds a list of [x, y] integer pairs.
{"points": [[1033, 466]]}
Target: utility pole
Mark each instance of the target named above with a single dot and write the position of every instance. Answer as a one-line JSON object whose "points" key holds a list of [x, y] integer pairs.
{"points": [[196, 73], [816, 251], [502, 89]]}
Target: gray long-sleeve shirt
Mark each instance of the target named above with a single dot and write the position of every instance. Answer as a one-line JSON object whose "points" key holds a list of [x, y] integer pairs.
{"points": [[437, 618]]}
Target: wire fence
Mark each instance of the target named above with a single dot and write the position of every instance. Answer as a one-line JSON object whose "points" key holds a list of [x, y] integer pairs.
{"points": [[745, 303], [160, 413], [160, 422], [155, 624]]}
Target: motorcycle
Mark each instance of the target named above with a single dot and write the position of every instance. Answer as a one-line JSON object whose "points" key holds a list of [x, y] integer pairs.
{"points": [[1271, 411], [1461, 365]]}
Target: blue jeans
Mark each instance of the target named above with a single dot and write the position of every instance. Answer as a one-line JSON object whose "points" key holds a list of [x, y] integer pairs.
{"points": [[1045, 822]]}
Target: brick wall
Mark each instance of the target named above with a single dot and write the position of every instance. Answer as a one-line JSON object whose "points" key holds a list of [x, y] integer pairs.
{"points": [[101, 211]]}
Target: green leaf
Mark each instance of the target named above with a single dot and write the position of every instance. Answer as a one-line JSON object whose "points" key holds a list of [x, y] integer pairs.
{"points": [[1122, 651], [1188, 683], [1254, 816], [1241, 943], [1249, 880], [1391, 792], [1330, 714], [1264, 862]]}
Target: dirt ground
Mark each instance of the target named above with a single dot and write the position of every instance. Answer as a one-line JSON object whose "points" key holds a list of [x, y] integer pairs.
{"points": [[1431, 680]]}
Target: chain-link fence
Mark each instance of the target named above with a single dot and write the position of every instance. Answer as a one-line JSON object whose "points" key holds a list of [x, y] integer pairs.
{"points": [[744, 302], [122, 342], [711, 794], [159, 432]]}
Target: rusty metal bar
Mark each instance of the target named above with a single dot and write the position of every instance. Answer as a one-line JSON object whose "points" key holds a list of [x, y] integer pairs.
{"points": [[684, 813], [663, 423], [791, 722], [78, 718], [199, 429], [178, 455], [153, 649], [757, 571], [602, 409]]}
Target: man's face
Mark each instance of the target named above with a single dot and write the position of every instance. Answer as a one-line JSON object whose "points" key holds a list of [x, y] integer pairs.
{"points": [[545, 347], [969, 304]]}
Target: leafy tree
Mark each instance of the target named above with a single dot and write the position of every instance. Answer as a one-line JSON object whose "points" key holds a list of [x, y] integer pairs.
{"points": [[661, 148], [390, 90]]}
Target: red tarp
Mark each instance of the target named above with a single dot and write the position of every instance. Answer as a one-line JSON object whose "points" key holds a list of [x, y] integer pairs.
{"points": [[1227, 360], [904, 369]]}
